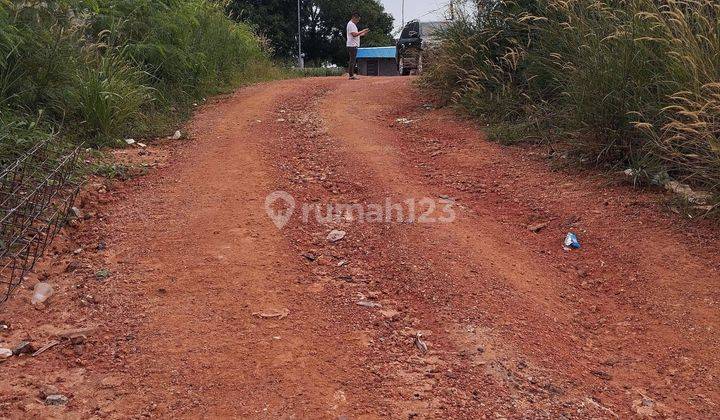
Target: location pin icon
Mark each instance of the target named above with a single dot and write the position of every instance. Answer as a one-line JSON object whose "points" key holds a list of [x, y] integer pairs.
{"points": [[280, 217]]}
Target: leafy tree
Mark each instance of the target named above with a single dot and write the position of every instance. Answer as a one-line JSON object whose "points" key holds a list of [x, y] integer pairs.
{"points": [[323, 23], [276, 20]]}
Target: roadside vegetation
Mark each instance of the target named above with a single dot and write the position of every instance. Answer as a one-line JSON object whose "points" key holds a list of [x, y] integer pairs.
{"points": [[627, 84], [323, 38], [97, 71]]}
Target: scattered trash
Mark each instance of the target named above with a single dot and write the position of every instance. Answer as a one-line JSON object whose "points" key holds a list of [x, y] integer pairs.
{"points": [[684, 190], [177, 135], [130, 142], [404, 121], [368, 303], [23, 348], [280, 120], [428, 106], [336, 235], [420, 344], [46, 347], [537, 227], [571, 242], [5, 353], [310, 257], [56, 399], [143, 145], [272, 314], [41, 293], [630, 172], [342, 263]]}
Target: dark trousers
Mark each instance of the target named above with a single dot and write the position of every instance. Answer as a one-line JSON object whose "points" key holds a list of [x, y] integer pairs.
{"points": [[352, 52]]}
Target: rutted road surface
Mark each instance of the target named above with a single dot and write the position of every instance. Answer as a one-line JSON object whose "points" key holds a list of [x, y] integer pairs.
{"points": [[514, 325]]}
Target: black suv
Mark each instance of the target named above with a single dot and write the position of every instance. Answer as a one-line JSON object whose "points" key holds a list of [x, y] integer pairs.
{"points": [[415, 40]]}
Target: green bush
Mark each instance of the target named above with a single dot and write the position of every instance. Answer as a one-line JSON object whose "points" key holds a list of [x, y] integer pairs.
{"points": [[97, 70], [17, 134], [631, 83], [107, 97]]}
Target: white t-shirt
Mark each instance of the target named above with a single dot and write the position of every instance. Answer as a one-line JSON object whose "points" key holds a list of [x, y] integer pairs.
{"points": [[352, 41]]}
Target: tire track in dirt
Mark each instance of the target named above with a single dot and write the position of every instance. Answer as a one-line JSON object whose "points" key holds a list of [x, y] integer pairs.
{"points": [[448, 263], [514, 326], [216, 258], [537, 312], [462, 374], [405, 381]]}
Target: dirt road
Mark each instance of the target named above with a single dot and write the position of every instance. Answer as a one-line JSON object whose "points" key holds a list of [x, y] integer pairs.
{"points": [[212, 311]]}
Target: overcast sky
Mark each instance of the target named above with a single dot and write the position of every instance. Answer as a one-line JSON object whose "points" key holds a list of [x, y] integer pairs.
{"points": [[415, 9]]}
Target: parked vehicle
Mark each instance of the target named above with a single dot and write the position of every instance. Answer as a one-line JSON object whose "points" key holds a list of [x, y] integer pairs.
{"points": [[416, 42]]}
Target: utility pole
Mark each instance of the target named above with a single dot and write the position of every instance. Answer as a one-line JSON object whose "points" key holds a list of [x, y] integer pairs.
{"points": [[403, 14], [301, 62]]}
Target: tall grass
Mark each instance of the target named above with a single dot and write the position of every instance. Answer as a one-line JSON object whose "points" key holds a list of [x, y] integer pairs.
{"points": [[628, 83], [100, 70]]}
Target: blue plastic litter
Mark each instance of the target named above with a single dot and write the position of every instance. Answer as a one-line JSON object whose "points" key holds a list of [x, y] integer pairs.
{"points": [[571, 241]]}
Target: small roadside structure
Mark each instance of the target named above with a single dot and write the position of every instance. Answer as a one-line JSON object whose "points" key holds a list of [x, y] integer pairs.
{"points": [[377, 61]]}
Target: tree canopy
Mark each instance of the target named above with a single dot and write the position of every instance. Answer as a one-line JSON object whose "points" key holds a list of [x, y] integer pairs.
{"points": [[323, 25]]}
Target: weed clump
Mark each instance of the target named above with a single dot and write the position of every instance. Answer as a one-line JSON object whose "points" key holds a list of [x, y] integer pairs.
{"points": [[97, 71], [621, 83]]}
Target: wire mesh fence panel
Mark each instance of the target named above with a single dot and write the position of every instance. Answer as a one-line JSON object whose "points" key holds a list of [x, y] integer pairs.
{"points": [[36, 193]]}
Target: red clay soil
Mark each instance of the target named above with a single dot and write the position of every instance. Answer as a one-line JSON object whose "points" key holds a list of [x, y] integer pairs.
{"points": [[212, 311]]}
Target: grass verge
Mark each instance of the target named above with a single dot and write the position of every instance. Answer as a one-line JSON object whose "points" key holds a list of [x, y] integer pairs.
{"points": [[622, 84]]}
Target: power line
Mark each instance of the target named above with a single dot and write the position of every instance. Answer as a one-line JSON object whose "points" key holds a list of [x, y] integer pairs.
{"points": [[446, 5], [421, 16], [435, 10]]}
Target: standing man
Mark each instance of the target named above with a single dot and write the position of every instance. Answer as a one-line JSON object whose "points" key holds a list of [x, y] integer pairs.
{"points": [[353, 42]]}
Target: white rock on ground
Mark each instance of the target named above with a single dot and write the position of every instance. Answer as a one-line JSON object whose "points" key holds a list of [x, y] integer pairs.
{"points": [[336, 235]]}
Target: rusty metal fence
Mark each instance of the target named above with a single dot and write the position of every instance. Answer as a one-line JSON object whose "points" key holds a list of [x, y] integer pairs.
{"points": [[37, 192]]}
